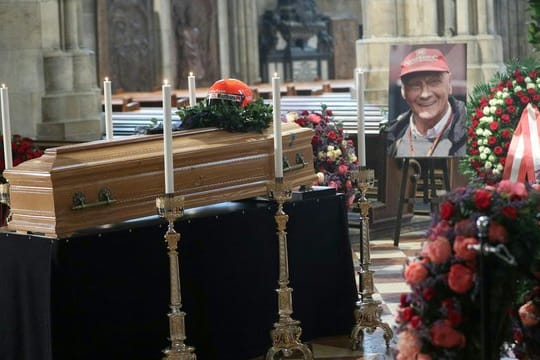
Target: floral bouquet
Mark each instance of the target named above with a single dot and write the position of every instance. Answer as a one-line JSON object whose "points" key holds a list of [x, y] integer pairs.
{"points": [[334, 155], [440, 317], [494, 110], [22, 149]]}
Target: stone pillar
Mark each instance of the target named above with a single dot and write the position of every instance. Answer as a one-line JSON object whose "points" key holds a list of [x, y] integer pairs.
{"points": [[462, 17], [384, 23], [449, 17], [223, 30], [245, 59], [421, 18], [71, 24]]}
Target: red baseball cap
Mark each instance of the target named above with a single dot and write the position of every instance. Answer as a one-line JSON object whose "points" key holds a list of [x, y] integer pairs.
{"points": [[424, 59]]}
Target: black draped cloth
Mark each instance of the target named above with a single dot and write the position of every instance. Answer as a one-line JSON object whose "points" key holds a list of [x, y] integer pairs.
{"points": [[105, 294]]}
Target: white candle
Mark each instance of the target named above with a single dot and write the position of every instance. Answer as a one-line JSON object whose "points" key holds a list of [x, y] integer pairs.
{"points": [[167, 138], [6, 127], [278, 147], [107, 94], [191, 90], [361, 129]]}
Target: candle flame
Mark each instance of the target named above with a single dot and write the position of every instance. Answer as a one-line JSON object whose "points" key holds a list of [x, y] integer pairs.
{"points": [[3, 86], [191, 73], [275, 74], [106, 78], [165, 82]]}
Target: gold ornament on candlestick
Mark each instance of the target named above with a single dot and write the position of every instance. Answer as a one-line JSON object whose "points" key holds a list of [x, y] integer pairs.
{"points": [[4, 194], [286, 333], [171, 208], [368, 311]]}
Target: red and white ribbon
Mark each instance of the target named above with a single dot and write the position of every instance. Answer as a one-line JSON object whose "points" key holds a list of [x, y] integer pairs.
{"points": [[523, 159]]}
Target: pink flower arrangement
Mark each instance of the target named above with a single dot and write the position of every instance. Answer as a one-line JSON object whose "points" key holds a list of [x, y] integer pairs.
{"points": [[439, 318]]}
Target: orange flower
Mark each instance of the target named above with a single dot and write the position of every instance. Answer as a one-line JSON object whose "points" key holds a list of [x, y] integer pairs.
{"points": [[460, 278], [438, 251], [529, 314], [497, 233], [443, 335], [415, 273], [461, 249]]}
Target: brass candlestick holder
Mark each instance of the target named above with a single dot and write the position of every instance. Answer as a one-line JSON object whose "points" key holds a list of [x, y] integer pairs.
{"points": [[286, 332], [171, 208], [368, 311]]}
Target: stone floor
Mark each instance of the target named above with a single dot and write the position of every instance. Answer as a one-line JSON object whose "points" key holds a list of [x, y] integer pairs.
{"points": [[387, 262]]}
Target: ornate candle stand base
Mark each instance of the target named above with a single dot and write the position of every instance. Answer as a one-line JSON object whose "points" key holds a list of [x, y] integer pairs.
{"points": [[171, 208], [286, 332], [368, 311]]}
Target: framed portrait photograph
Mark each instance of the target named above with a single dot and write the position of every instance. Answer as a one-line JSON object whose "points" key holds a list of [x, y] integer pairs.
{"points": [[426, 106]]}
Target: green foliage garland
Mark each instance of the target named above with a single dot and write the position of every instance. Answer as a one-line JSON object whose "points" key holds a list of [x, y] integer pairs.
{"points": [[255, 117]]}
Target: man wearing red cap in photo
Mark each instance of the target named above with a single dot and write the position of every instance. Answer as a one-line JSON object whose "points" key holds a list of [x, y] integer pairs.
{"points": [[435, 123]]}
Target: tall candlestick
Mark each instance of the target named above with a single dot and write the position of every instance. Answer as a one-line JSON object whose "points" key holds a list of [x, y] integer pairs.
{"points": [[167, 138], [6, 127], [278, 147], [107, 94], [191, 90], [361, 130]]}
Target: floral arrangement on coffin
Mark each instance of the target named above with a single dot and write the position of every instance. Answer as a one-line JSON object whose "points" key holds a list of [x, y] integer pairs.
{"points": [[22, 149], [440, 317], [334, 156], [494, 110]]}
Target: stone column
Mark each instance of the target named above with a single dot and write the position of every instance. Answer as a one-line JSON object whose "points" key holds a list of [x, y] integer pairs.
{"points": [[379, 18], [71, 24], [421, 18], [449, 17], [223, 30], [245, 64], [462, 17]]}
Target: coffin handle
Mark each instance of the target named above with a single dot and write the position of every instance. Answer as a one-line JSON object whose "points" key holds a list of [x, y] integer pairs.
{"points": [[300, 163], [104, 198]]}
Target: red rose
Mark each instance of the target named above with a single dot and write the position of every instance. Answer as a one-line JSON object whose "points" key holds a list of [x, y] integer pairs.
{"points": [[482, 199], [460, 278], [492, 140], [531, 91], [498, 150], [443, 335], [511, 109], [332, 135], [524, 99], [510, 212], [506, 134], [314, 118], [428, 293], [508, 101], [505, 118], [497, 233], [416, 321], [446, 210]]}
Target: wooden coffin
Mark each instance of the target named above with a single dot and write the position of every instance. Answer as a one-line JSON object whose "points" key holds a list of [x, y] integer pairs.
{"points": [[79, 187]]}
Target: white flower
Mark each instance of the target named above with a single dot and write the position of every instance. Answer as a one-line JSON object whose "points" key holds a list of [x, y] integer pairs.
{"points": [[330, 148], [487, 150], [481, 147], [492, 158], [518, 88], [500, 102], [493, 109], [487, 132], [492, 102], [488, 165], [496, 172], [528, 79], [486, 110], [500, 167], [483, 156], [479, 131], [291, 116], [337, 152], [505, 94]]}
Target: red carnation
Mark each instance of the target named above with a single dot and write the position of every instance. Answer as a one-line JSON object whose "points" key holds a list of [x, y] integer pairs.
{"points": [[505, 118], [492, 140], [494, 125], [531, 91], [498, 150], [511, 109], [505, 134], [509, 101], [524, 99]]}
